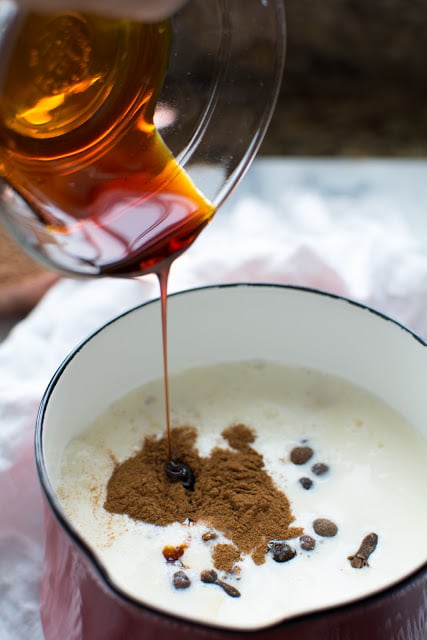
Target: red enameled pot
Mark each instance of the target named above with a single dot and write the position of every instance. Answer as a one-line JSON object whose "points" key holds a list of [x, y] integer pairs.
{"points": [[79, 601]]}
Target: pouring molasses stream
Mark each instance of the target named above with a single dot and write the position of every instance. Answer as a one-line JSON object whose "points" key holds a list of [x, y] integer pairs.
{"points": [[89, 186]]}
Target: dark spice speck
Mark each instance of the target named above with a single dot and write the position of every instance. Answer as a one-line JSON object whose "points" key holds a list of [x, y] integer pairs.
{"points": [[325, 528], [306, 483], [181, 580], [301, 455], [320, 468], [281, 551], [307, 543]]}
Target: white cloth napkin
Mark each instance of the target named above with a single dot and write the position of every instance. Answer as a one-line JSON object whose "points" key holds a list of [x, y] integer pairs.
{"points": [[353, 242]]}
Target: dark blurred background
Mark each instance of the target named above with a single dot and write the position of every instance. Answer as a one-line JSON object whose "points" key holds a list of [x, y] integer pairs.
{"points": [[355, 82]]}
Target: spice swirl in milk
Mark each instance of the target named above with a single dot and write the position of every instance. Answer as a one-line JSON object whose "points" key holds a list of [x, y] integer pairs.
{"points": [[345, 472]]}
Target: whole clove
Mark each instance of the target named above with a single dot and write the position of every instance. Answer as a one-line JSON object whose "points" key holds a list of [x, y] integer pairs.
{"points": [[367, 546], [210, 576]]}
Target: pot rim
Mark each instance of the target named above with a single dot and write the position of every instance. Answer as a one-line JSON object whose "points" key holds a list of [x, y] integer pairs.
{"points": [[56, 509]]}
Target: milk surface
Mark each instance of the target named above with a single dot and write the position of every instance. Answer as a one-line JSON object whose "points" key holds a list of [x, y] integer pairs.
{"points": [[376, 483]]}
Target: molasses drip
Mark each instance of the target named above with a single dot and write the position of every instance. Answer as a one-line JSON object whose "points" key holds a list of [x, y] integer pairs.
{"points": [[175, 470]]}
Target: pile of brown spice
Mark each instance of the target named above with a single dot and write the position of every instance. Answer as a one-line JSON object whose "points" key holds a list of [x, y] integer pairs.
{"points": [[233, 492]]}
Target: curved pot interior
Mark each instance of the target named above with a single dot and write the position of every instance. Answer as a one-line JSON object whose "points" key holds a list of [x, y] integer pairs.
{"points": [[227, 324]]}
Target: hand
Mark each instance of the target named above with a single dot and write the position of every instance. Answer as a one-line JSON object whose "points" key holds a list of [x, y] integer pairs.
{"points": [[144, 10]]}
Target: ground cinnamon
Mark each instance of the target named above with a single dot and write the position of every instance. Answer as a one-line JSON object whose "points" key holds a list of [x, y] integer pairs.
{"points": [[225, 557], [233, 492]]}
